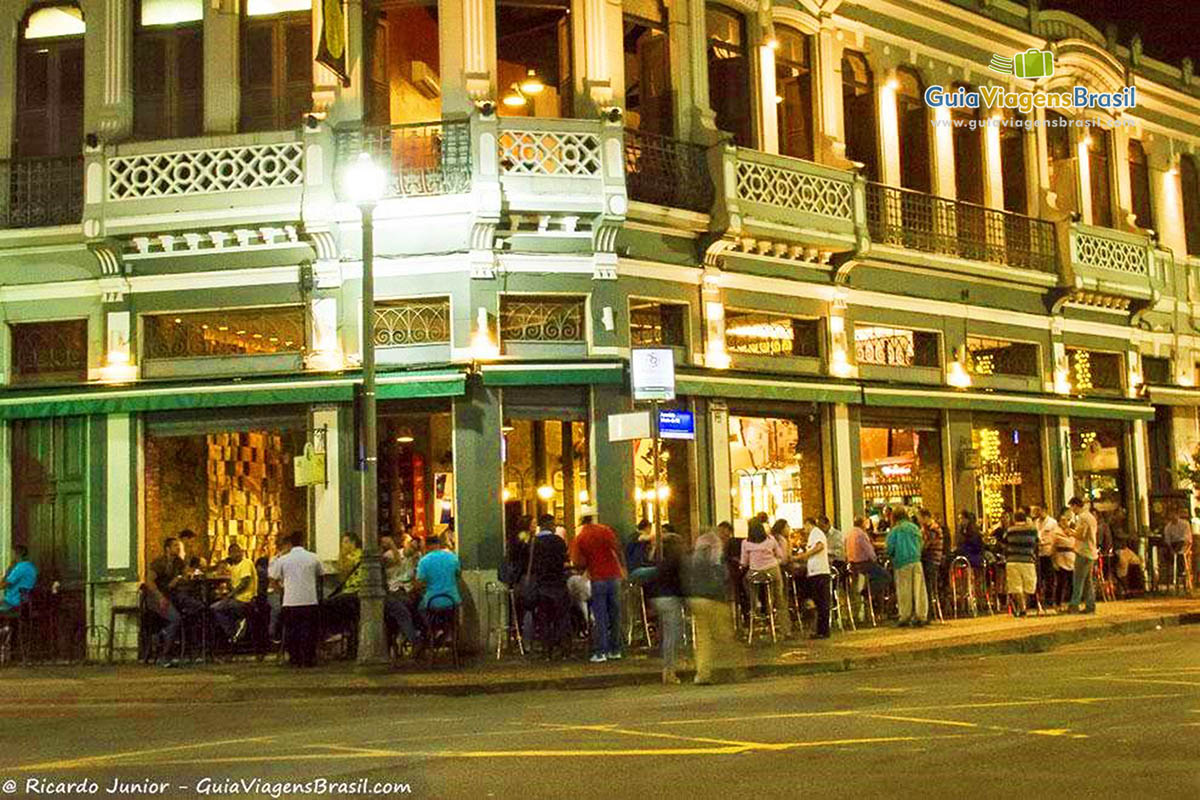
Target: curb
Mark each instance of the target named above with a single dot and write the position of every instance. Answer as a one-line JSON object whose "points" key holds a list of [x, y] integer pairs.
{"points": [[233, 691]]}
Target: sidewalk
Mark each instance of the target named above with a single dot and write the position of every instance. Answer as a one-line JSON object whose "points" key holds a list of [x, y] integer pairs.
{"points": [[251, 680]]}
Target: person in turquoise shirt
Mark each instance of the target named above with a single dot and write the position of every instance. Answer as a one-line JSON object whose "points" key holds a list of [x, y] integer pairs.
{"points": [[904, 544], [437, 574], [21, 577]]}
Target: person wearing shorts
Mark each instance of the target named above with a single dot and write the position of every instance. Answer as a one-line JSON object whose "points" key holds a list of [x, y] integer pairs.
{"points": [[1020, 556]]}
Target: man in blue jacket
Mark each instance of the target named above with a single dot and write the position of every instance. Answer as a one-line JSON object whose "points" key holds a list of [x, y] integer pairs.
{"points": [[21, 577], [904, 545]]}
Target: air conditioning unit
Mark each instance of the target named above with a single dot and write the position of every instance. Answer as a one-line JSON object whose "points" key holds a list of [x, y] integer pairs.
{"points": [[425, 79]]}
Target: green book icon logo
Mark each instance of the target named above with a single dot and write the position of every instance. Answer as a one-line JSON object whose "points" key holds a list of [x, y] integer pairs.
{"points": [[1030, 64]]}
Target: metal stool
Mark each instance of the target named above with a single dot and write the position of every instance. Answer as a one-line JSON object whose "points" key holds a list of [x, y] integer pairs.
{"points": [[846, 583], [960, 566], [760, 582], [1181, 573], [835, 603], [935, 597], [502, 618], [793, 594], [866, 596], [1104, 587], [639, 591]]}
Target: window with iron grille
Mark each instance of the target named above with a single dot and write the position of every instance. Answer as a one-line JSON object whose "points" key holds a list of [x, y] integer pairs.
{"points": [[756, 333], [986, 356], [541, 318], [1094, 370], [654, 323], [896, 347], [49, 352], [232, 332], [411, 321], [1156, 370]]}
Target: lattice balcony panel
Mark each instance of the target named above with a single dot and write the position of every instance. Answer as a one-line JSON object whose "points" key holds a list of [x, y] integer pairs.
{"points": [[226, 169]]}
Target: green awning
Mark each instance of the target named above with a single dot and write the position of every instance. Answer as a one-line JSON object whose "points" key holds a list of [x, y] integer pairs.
{"points": [[553, 374], [133, 398], [759, 387], [1054, 405]]}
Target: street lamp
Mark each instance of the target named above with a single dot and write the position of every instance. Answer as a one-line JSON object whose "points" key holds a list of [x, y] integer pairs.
{"points": [[364, 182]]}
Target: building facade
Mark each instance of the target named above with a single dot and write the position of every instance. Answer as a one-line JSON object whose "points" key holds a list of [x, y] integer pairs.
{"points": [[870, 300]]}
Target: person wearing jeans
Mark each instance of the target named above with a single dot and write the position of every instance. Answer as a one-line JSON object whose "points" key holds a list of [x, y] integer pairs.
{"points": [[904, 544], [597, 550], [1083, 587], [666, 590]]}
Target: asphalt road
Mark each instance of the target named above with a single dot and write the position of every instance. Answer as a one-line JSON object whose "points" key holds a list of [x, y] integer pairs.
{"points": [[1112, 717]]}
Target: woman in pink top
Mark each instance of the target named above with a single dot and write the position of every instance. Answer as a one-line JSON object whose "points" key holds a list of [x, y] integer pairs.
{"points": [[762, 553]]}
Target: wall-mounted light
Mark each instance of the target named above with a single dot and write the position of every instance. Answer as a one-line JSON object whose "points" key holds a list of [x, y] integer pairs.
{"points": [[545, 492], [483, 347], [1062, 377], [584, 496], [839, 363], [606, 317], [891, 84], [957, 375]]}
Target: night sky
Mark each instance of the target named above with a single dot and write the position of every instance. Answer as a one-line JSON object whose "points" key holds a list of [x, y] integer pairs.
{"points": [[1170, 29]]}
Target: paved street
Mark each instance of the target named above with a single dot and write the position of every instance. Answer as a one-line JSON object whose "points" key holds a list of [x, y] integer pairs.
{"points": [[1119, 715]]}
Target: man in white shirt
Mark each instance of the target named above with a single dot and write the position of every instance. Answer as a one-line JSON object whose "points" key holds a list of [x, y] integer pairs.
{"points": [[1047, 528], [1083, 587], [299, 573], [816, 553]]}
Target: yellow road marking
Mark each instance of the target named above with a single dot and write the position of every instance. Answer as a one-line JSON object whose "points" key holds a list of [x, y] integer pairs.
{"points": [[1159, 681], [755, 717], [649, 734], [950, 722], [91, 761]]}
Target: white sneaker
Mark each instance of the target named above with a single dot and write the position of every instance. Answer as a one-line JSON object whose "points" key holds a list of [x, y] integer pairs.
{"points": [[615, 655], [599, 658]]}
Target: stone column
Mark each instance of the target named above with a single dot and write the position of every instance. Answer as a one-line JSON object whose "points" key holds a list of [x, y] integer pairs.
{"points": [[768, 117], [326, 499], [844, 476], [611, 473], [342, 103], [602, 77], [467, 44], [889, 131], [222, 73], [718, 448], [696, 119], [1139, 471], [108, 60]]}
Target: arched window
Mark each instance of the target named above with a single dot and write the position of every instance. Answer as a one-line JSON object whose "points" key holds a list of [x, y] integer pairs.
{"points": [[968, 153], [729, 73], [277, 64], [49, 96], [913, 117], [793, 88], [1012, 162], [1139, 186], [1099, 150], [1062, 162], [648, 74], [533, 58], [168, 69], [858, 113], [1189, 184]]}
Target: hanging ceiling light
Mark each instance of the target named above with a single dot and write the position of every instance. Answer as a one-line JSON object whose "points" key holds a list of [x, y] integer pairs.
{"points": [[514, 98], [532, 84]]}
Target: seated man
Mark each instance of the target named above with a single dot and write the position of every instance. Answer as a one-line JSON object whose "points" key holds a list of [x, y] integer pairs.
{"points": [[437, 581], [166, 573], [342, 603], [1130, 576], [399, 603], [230, 611], [20, 578]]}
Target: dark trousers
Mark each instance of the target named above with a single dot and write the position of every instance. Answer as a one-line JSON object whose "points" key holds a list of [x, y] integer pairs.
{"points": [[1062, 586], [300, 634], [818, 590], [933, 584], [398, 613], [342, 615], [550, 615]]}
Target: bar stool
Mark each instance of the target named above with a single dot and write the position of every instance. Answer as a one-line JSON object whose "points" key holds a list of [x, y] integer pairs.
{"points": [[760, 584], [1181, 572], [865, 595], [962, 574], [637, 591], [502, 618], [835, 603], [793, 595], [1104, 587], [845, 584]]}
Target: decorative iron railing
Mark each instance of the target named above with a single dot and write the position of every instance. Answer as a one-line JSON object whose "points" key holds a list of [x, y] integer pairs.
{"points": [[892, 350], [205, 171], [932, 224], [408, 322], [667, 172], [793, 184], [233, 332], [423, 159], [49, 352], [541, 319], [39, 192], [560, 153]]}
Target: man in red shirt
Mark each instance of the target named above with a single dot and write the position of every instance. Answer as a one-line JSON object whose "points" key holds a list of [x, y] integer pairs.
{"points": [[597, 551]]}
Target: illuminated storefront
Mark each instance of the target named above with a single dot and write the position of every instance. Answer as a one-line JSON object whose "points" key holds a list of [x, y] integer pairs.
{"points": [[416, 470], [901, 461], [1098, 462], [1009, 475], [776, 467]]}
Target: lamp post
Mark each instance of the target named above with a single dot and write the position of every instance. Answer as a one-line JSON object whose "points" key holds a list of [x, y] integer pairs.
{"points": [[364, 183]]}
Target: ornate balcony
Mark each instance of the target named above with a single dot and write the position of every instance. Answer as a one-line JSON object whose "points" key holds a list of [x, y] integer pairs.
{"points": [[423, 159], [667, 172], [41, 192], [931, 224], [1114, 264], [154, 186], [787, 207]]}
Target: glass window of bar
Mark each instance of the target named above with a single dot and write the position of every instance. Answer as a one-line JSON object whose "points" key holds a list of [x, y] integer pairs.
{"points": [[968, 153], [1012, 162], [402, 76], [49, 352], [757, 333], [654, 323], [1139, 185], [412, 321], [541, 318], [793, 87], [53, 22], [986, 356], [1156, 370], [896, 347], [1062, 164], [858, 113], [729, 74], [236, 332], [1092, 370], [533, 59]]}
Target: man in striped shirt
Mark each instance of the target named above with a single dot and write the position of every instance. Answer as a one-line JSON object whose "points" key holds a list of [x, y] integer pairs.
{"points": [[1020, 557]]}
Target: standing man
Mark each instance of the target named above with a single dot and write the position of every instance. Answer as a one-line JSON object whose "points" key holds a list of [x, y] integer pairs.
{"points": [[1020, 557], [1047, 529], [1083, 585], [837, 543], [231, 610], [298, 572], [904, 548], [816, 553], [21, 577], [597, 550], [932, 553]]}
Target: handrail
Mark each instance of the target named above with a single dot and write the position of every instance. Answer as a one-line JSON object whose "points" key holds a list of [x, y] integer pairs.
{"points": [[666, 171], [41, 191], [423, 158]]}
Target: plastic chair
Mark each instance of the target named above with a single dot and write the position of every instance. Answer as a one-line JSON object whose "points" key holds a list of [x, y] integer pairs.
{"points": [[443, 626], [760, 582]]}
